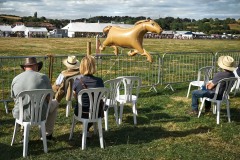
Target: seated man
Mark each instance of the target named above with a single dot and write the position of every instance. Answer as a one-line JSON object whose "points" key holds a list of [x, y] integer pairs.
{"points": [[32, 79], [72, 65], [227, 64]]}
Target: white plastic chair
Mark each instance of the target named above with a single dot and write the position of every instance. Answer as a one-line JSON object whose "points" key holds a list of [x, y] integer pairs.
{"points": [[113, 86], [95, 95], [68, 90], [236, 85], [204, 74], [37, 98], [132, 86], [228, 83]]}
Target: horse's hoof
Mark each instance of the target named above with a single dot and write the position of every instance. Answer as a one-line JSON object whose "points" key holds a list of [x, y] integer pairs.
{"points": [[130, 53]]}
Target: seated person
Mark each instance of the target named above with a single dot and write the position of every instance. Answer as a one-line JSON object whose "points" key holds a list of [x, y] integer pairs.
{"points": [[87, 69], [72, 65], [227, 64], [32, 79]]}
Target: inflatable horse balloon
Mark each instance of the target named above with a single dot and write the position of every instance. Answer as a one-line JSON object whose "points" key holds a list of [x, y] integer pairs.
{"points": [[130, 37]]}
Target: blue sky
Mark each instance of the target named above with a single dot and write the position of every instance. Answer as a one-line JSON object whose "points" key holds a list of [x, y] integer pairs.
{"points": [[74, 9]]}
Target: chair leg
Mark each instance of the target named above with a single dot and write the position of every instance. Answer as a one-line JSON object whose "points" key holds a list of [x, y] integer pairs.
{"points": [[201, 107], [43, 132], [25, 140], [214, 108], [84, 134], [100, 132], [106, 119], [14, 132], [218, 112], [116, 114], [72, 128], [237, 87], [134, 109], [121, 113], [68, 107], [189, 88]]}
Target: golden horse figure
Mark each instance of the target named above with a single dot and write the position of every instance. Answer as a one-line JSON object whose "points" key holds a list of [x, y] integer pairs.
{"points": [[130, 37]]}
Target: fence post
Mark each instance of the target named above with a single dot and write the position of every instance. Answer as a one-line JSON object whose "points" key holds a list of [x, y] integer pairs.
{"points": [[97, 44], [50, 67], [88, 48]]}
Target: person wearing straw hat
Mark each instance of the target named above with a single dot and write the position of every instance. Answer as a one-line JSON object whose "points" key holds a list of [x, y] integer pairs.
{"points": [[72, 65], [32, 79], [226, 63]]}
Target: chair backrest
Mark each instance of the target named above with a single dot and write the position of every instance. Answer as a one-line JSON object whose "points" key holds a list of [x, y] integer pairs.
{"points": [[131, 85], [205, 73], [69, 85], [113, 86], [95, 95], [228, 83], [235, 73], [39, 101]]}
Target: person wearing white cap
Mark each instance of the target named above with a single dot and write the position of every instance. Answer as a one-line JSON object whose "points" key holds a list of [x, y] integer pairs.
{"points": [[227, 64], [72, 65]]}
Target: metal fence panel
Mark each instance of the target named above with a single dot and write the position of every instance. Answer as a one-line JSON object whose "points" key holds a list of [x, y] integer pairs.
{"points": [[108, 67], [175, 67], [180, 67]]}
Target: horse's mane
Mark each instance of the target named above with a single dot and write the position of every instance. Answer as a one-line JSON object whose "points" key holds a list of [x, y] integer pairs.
{"points": [[142, 21]]}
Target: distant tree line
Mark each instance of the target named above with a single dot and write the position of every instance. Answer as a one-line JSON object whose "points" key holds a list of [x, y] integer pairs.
{"points": [[206, 25]]}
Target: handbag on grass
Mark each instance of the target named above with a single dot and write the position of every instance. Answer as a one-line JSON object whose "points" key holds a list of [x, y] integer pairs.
{"points": [[101, 104]]}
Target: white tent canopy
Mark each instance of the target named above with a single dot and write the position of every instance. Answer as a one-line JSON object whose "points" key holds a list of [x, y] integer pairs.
{"points": [[90, 27], [19, 28], [5, 28]]}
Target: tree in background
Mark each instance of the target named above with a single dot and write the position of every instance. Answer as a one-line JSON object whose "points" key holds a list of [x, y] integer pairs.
{"points": [[35, 15]]}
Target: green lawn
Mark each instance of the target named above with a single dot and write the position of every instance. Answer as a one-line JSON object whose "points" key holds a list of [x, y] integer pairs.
{"points": [[164, 130]]}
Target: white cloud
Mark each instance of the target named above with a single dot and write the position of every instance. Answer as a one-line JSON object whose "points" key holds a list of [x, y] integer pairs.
{"points": [[73, 9]]}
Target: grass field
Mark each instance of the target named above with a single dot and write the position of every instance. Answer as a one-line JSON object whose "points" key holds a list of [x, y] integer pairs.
{"points": [[164, 130], [36, 46]]}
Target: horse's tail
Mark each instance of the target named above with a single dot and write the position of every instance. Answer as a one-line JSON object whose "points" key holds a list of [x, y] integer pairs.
{"points": [[106, 29]]}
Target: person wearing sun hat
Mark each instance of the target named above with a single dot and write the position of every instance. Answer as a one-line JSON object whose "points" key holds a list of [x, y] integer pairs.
{"points": [[72, 65], [30, 79], [226, 63]]}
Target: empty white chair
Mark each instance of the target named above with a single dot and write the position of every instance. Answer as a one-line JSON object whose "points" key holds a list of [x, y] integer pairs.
{"points": [[217, 100], [95, 95], [36, 98], [111, 101], [68, 90], [204, 74], [132, 86]]}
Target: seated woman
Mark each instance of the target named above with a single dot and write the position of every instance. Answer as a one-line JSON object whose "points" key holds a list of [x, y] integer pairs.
{"points": [[72, 65], [88, 80]]}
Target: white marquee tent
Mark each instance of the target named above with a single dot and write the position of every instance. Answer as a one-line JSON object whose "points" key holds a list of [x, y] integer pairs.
{"points": [[36, 30], [19, 28], [5, 30], [83, 27]]}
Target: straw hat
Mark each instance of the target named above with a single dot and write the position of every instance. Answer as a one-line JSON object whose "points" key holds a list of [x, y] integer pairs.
{"points": [[226, 62], [32, 61], [71, 62]]}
